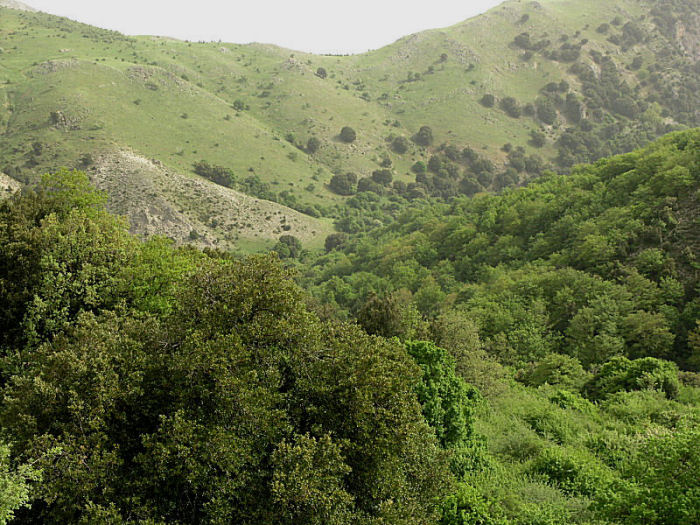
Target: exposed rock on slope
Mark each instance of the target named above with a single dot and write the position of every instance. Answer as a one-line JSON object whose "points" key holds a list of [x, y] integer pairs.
{"points": [[187, 209]]}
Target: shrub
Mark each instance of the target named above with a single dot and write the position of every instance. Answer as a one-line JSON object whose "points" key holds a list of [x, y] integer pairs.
{"points": [[624, 375], [662, 485], [239, 105], [288, 247], [367, 184], [218, 174], [393, 315], [523, 41], [555, 369], [435, 164], [400, 145], [383, 177], [335, 241], [466, 507], [448, 402], [419, 167], [488, 100], [347, 134], [571, 401], [546, 111], [537, 138], [511, 107], [424, 137], [312, 145], [343, 183], [571, 472]]}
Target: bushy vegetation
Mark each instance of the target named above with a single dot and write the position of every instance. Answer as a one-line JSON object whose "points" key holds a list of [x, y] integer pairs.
{"points": [[594, 265], [479, 341], [182, 386], [524, 366]]}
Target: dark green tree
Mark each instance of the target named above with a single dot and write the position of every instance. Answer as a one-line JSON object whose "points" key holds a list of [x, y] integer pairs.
{"points": [[312, 145], [488, 100], [288, 247], [383, 177], [511, 107], [424, 137], [335, 241], [343, 183], [347, 134], [393, 315], [400, 145]]}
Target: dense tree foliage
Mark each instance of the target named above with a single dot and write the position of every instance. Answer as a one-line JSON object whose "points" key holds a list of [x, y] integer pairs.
{"points": [[218, 174], [181, 387], [583, 288], [528, 357], [424, 137], [594, 265]]}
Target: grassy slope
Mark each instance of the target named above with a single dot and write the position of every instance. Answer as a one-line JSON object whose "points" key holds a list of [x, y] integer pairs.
{"points": [[448, 99], [110, 105], [133, 93]]}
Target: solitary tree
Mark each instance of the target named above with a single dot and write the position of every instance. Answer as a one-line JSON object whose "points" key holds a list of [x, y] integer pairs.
{"points": [[347, 134], [400, 145], [488, 100], [313, 144], [424, 137], [288, 247]]}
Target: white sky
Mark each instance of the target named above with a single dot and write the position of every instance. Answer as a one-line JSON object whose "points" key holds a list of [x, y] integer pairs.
{"points": [[320, 26]]}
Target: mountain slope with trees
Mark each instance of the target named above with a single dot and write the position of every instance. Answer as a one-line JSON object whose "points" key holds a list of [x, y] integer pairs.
{"points": [[598, 263], [485, 104], [145, 383]]}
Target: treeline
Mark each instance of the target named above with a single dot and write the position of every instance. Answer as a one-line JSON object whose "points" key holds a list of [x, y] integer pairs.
{"points": [[252, 185]]}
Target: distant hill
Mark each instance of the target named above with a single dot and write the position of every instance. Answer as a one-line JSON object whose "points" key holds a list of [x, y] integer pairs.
{"points": [[500, 97], [16, 5]]}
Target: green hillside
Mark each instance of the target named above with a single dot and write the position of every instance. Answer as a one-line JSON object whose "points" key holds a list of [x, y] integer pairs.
{"points": [[570, 83], [533, 359]]}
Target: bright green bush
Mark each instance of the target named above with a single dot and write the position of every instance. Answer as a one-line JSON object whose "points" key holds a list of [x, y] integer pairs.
{"points": [[624, 375]]}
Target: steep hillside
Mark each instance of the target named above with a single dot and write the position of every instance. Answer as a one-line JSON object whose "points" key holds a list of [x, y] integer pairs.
{"points": [[498, 98]]}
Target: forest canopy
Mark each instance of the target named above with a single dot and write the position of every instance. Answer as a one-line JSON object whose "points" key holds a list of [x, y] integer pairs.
{"points": [[532, 358]]}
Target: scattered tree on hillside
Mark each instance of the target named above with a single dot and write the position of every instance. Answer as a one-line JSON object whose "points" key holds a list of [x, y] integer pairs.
{"points": [[511, 107], [347, 134], [424, 137], [400, 145], [343, 183], [488, 100], [312, 145], [288, 247]]}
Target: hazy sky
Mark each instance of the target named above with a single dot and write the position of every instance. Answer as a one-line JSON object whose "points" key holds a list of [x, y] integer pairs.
{"points": [[337, 26]]}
